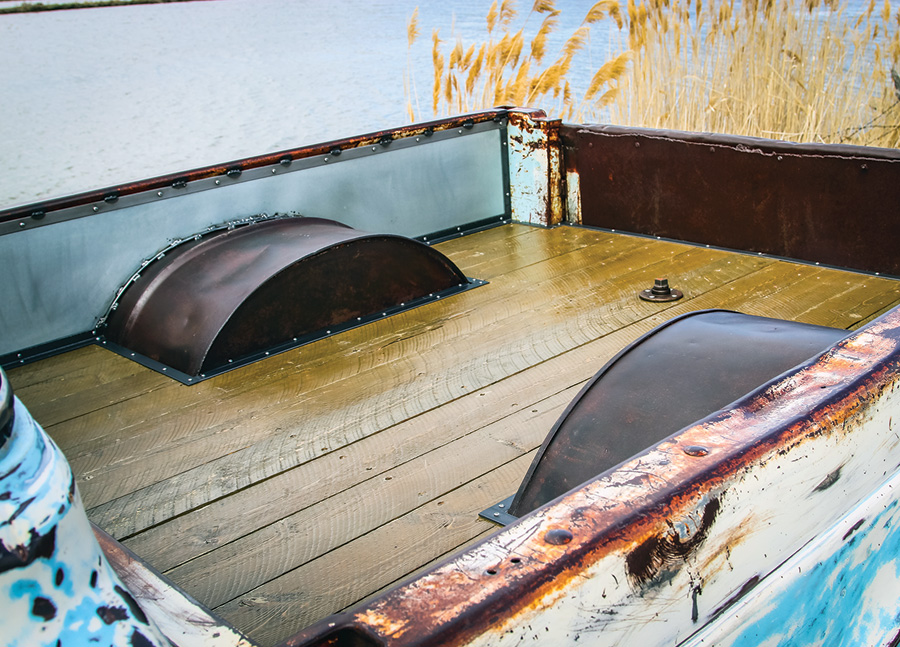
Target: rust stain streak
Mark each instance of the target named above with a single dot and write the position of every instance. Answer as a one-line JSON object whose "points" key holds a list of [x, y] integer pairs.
{"points": [[662, 551]]}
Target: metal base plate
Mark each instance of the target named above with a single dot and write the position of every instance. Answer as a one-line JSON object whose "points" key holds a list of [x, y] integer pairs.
{"points": [[499, 512]]}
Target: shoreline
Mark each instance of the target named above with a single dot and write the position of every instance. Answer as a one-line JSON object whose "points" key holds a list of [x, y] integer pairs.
{"points": [[34, 7]]}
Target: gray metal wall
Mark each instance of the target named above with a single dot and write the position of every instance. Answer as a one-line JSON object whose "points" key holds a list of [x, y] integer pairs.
{"points": [[60, 275]]}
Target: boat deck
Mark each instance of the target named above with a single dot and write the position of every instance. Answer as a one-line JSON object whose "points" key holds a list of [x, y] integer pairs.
{"points": [[289, 489]]}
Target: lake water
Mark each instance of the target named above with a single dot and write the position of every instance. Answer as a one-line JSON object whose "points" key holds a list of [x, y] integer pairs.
{"points": [[95, 97]]}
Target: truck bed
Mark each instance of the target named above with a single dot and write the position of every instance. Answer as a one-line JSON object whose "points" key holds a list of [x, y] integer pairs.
{"points": [[289, 489]]}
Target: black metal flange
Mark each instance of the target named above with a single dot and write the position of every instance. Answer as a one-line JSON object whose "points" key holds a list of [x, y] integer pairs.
{"points": [[661, 292]]}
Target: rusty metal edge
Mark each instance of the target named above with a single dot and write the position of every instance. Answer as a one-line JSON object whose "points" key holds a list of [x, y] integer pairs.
{"points": [[453, 603], [38, 210], [743, 142]]}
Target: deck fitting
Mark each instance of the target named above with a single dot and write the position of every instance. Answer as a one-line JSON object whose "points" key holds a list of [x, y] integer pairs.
{"points": [[660, 292]]}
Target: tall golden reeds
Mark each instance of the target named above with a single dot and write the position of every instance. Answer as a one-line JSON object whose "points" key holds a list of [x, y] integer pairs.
{"points": [[797, 70], [409, 84], [800, 70], [503, 71]]}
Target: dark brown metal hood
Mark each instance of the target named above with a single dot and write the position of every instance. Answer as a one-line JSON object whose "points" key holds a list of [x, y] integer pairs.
{"points": [[218, 299]]}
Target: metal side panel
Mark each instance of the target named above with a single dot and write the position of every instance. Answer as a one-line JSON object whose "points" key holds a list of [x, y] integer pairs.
{"points": [[832, 204], [62, 271]]}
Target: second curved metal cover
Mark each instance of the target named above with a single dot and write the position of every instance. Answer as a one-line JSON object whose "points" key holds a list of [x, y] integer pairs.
{"points": [[237, 293], [675, 375]]}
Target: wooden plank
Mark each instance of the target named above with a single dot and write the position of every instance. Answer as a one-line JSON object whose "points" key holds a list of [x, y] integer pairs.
{"points": [[98, 397], [215, 527], [843, 300], [338, 579], [878, 313], [190, 535], [422, 388], [86, 379], [75, 361], [488, 259], [187, 536], [265, 554], [817, 295], [501, 308]]}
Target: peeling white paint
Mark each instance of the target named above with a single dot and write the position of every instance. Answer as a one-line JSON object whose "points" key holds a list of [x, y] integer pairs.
{"points": [[529, 170], [573, 197]]}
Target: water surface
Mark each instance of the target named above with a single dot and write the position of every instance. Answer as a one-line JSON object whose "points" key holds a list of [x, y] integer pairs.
{"points": [[95, 97]]}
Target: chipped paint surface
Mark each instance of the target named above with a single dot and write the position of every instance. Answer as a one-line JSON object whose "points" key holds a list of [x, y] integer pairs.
{"points": [[675, 538], [573, 197], [56, 587], [841, 589], [536, 181], [178, 617]]}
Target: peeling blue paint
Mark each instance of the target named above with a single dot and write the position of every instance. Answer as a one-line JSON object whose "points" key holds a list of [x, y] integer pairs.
{"points": [[56, 586], [843, 589]]}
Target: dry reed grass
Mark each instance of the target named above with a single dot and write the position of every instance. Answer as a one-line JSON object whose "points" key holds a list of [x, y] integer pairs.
{"points": [[799, 70], [503, 71]]}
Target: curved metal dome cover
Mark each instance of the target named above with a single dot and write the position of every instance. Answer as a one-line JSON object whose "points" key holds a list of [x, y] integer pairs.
{"points": [[223, 300], [674, 376]]}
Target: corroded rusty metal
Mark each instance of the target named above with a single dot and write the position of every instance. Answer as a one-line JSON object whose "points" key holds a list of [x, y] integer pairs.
{"points": [[678, 373], [38, 210], [667, 541], [757, 195], [537, 182], [220, 298]]}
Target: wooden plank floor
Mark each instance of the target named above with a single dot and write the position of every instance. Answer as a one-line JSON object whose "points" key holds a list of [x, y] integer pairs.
{"points": [[290, 489]]}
